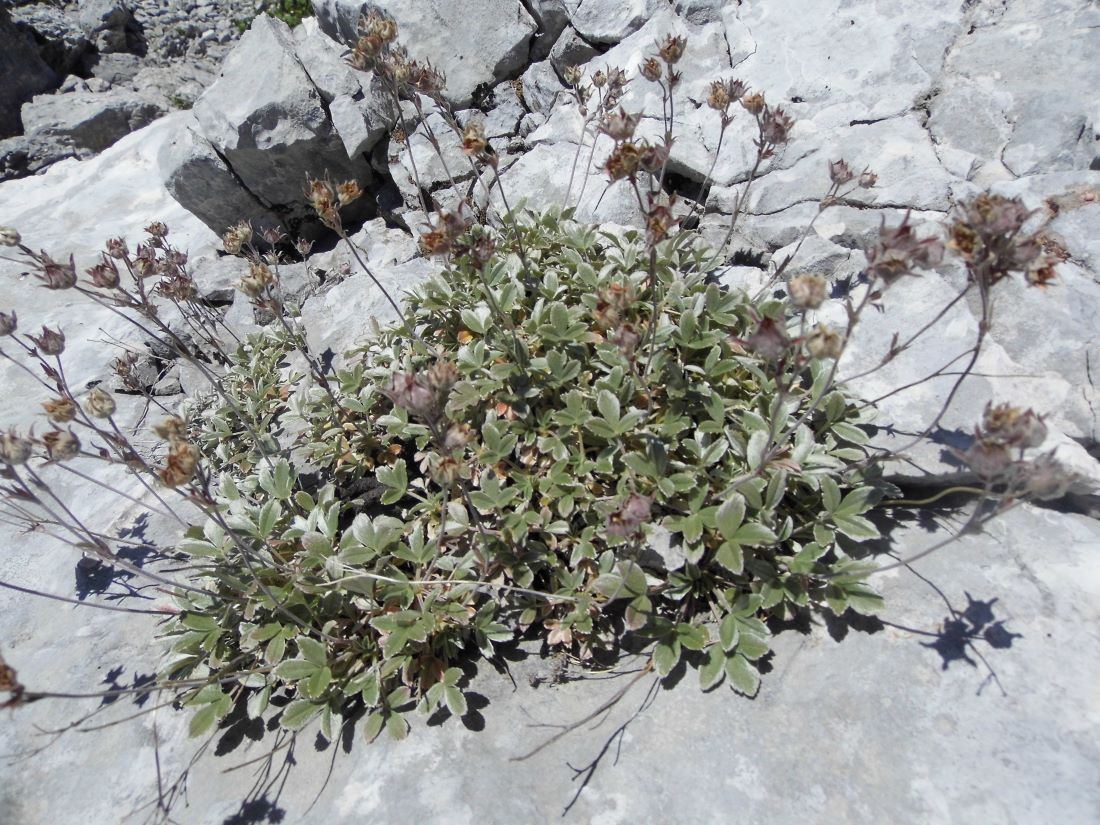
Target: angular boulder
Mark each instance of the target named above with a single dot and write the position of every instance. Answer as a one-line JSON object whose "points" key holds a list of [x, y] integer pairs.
{"points": [[88, 121], [474, 42], [268, 123], [24, 73]]}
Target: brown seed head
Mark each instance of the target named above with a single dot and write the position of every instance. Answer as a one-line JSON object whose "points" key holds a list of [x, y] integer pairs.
{"points": [[776, 127], [599, 78], [60, 410], [458, 436], [824, 342], [635, 511], [1047, 479], [867, 179], [50, 342], [9, 237], [473, 139], [620, 125], [672, 49], [157, 229], [808, 291], [15, 449], [719, 97], [770, 341], [573, 75], [117, 249], [988, 459], [173, 428], [651, 69], [840, 172], [236, 237], [623, 162], [407, 391], [8, 323], [61, 445], [56, 275], [99, 404], [104, 275], [183, 460], [754, 104]]}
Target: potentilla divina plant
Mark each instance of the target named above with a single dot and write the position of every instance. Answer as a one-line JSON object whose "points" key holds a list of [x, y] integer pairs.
{"points": [[574, 435]]}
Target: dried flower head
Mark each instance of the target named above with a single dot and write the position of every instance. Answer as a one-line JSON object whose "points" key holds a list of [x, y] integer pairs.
{"points": [[99, 404], [257, 281], [348, 191], [458, 436], [754, 104], [626, 338], [989, 460], [9, 322], [632, 515], [1013, 426], [651, 69], [237, 237], [899, 251], [770, 341], [410, 393], [173, 428], [104, 275], [9, 237], [15, 449], [157, 229], [808, 291], [474, 141], [776, 127], [180, 466], [599, 78], [61, 445], [672, 49], [824, 342], [60, 410], [867, 179], [117, 249], [840, 172], [620, 125], [441, 376], [623, 162], [1046, 478], [57, 275], [50, 342], [9, 679], [573, 75]]}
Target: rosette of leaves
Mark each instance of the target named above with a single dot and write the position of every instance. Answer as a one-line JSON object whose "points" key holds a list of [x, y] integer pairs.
{"points": [[613, 454]]}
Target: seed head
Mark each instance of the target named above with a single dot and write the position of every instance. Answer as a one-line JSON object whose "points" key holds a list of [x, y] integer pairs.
{"points": [[620, 126], [623, 162], [116, 248], [808, 291], [157, 229], [867, 179], [840, 172], [237, 237], [15, 449], [172, 429], [1047, 479], [631, 516], [99, 404], [824, 342], [458, 436], [348, 191], [409, 392], [672, 49], [1012, 426], [599, 78], [8, 323], [651, 69], [61, 445], [50, 342], [258, 279], [60, 410], [9, 237], [573, 75], [104, 275], [988, 459], [442, 375], [754, 104], [183, 460], [776, 127], [56, 275], [473, 139], [769, 341]]}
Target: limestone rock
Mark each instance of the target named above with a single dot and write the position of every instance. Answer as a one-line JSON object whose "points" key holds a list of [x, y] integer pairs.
{"points": [[25, 73], [474, 42], [267, 121], [87, 120], [609, 21]]}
